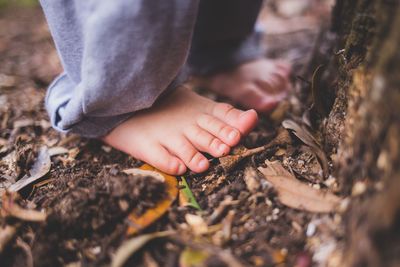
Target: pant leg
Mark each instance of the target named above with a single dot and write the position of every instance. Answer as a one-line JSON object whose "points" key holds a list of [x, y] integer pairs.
{"points": [[225, 35], [118, 57]]}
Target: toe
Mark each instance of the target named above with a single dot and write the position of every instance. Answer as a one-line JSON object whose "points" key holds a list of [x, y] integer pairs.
{"points": [[243, 121], [284, 67], [185, 151], [206, 142], [159, 157], [223, 131]]}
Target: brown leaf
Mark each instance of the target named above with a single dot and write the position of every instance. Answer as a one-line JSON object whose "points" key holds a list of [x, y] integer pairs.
{"points": [[298, 195], [307, 138], [138, 223], [230, 161], [40, 168]]}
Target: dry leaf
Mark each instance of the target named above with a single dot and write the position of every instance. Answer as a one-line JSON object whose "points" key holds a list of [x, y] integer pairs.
{"points": [[128, 248], [138, 223], [230, 161], [307, 138], [40, 168], [10, 208], [275, 168], [297, 195]]}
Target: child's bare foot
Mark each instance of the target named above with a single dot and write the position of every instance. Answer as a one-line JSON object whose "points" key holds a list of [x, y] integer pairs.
{"points": [[170, 135], [259, 84]]}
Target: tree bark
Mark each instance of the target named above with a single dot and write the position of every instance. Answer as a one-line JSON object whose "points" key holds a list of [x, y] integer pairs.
{"points": [[363, 127]]}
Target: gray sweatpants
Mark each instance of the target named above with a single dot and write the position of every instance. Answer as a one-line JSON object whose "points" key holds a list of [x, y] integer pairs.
{"points": [[119, 56]]}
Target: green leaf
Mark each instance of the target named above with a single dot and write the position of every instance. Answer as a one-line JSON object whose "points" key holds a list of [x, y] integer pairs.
{"points": [[186, 197]]}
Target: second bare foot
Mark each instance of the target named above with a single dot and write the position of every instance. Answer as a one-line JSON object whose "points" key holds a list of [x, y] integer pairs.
{"points": [[260, 84]]}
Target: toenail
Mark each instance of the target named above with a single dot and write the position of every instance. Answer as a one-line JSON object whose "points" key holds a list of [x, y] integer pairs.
{"points": [[246, 112], [181, 168], [203, 163], [222, 147], [232, 135]]}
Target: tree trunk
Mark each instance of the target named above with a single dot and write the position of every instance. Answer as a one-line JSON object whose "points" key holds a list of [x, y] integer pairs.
{"points": [[363, 127]]}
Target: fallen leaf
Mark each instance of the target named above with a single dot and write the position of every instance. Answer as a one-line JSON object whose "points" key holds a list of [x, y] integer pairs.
{"points": [[40, 168], [193, 257], [129, 247], [10, 208], [297, 195], [137, 223], [186, 197], [230, 161], [307, 138], [275, 168]]}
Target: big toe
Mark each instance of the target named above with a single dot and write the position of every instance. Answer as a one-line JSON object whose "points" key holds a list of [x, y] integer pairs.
{"points": [[244, 121], [160, 158]]}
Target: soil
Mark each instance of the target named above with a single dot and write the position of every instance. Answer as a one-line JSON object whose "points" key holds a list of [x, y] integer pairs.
{"points": [[87, 196]]}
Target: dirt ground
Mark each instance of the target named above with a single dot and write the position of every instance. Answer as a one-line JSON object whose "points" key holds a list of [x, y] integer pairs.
{"points": [[87, 197]]}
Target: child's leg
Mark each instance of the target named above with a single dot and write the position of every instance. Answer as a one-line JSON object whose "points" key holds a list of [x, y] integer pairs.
{"points": [[228, 51], [118, 57]]}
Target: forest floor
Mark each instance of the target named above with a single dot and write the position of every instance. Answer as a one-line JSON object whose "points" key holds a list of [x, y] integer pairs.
{"points": [[77, 206]]}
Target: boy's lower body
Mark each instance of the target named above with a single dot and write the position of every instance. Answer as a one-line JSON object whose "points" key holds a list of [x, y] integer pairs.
{"points": [[125, 61]]}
